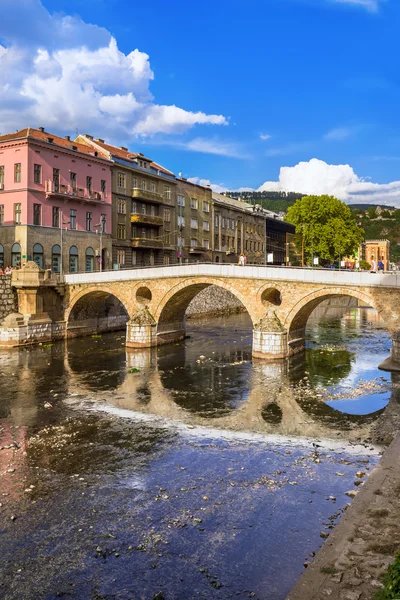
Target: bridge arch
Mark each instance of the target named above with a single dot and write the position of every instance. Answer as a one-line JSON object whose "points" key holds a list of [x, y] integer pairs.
{"points": [[95, 310], [170, 311], [296, 320]]}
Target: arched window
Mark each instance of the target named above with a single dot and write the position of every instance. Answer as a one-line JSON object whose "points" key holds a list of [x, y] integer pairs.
{"points": [[56, 258], [73, 259], [1, 255], [38, 255], [16, 255], [89, 260]]}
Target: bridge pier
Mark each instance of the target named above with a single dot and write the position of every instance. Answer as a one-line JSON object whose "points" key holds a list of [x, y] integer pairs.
{"points": [[141, 330], [393, 362], [270, 339]]}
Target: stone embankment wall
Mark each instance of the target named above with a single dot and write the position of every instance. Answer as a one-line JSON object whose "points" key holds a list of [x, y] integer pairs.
{"points": [[8, 297], [213, 301]]}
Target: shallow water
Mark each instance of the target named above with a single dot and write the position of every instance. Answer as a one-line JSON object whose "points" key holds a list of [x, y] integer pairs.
{"points": [[200, 474]]}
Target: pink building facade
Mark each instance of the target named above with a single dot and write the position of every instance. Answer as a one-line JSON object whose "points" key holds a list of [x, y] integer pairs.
{"points": [[55, 203]]}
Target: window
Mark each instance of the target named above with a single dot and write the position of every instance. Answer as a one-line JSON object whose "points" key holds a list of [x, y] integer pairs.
{"points": [[121, 258], [167, 238], [121, 207], [103, 222], [144, 233], [37, 173], [134, 258], [206, 225], [206, 206], [72, 219], [2, 176], [194, 203], [73, 259], [134, 182], [17, 214], [167, 215], [181, 221], [152, 186], [89, 217], [38, 255], [216, 220], [1, 214], [134, 232], [181, 200], [16, 255], [37, 214], [56, 180], [72, 179], [194, 223], [151, 257], [56, 217], [103, 186], [233, 224], [121, 180], [56, 258], [17, 173], [167, 192], [89, 260], [1, 255], [180, 241], [166, 259], [194, 243], [153, 211], [121, 231], [223, 222], [89, 184], [144, 209], [206, 244], [144, 186]]}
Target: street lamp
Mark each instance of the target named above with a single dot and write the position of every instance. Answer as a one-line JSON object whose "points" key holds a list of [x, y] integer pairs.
{"points": [[101, 226], [62, 223]]}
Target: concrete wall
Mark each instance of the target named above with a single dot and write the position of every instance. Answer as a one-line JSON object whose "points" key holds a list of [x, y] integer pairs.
{"points": [[8, 297]]}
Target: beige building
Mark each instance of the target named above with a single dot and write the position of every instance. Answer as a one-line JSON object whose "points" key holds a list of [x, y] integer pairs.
{"points": [[143, 207], [377, 250], [193, 222], [237, 228]]}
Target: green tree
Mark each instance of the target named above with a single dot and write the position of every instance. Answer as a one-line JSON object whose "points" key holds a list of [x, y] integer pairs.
{"points": [[372, 212], [328, 226]]}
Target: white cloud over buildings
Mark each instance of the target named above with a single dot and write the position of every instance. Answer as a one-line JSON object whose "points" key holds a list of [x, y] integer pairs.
{"points": [[62, 73]]}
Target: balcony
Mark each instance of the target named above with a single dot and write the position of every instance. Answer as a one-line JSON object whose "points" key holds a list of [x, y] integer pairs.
{"points": [[146, 219], [55, 190], [198, 249], [146, 243], [148, 196]]}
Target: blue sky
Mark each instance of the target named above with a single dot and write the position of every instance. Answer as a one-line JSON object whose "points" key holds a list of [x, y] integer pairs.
{"points": [[220, 90]]}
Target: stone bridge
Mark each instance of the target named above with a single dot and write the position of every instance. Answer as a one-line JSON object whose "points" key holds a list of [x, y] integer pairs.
{"points": [[152, 303]]}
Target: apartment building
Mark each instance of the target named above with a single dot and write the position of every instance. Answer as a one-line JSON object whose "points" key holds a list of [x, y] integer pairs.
{"points": [[237, 228], [55, 203], [193, 222], [143, 207]]}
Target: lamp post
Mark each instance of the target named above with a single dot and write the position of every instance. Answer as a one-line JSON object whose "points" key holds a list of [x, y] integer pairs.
{"points": [[100, 231], [62, 223]]}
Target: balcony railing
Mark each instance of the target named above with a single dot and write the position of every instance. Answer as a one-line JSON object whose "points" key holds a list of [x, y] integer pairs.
{"points": [[53, 189], [197, 249], [147, 195], [146, 243], [146, 219]]}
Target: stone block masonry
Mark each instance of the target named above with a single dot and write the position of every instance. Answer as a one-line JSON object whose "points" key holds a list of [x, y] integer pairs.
{"points": [[214, 301], [8, 297]]}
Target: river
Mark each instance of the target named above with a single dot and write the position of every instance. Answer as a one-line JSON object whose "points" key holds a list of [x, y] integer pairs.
{"points": [[185, 471]]}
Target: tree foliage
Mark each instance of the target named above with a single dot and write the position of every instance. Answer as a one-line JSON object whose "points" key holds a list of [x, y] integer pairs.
{"points": [[328, 226]]}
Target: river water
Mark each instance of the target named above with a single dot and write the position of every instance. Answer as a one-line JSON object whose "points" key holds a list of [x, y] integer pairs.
{"points": [[185, 471]]}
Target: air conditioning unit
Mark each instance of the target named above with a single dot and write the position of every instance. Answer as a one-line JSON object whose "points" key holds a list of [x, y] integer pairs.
{"points": [[1, 186]]}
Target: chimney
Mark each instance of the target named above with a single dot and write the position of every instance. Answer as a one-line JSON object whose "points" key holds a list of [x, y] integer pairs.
{"points": [[100, 140], [41, 129], [88, 136], [123, 148], [68, 137]]}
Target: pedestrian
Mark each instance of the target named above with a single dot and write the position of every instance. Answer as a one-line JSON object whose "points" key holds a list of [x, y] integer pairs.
{"points": [[373, 265], [244, 260], [241, 260], [381, 266]]}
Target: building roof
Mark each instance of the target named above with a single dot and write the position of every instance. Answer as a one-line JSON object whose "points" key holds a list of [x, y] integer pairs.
{"points": [[245, 206], [122, 153], [45, 136]]}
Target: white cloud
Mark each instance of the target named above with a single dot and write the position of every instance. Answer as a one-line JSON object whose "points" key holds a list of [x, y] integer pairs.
{"points": [[318, 177], [62, 73], [265, 136], [338, 134], [204, 146], [371, 5], [216, 187]]}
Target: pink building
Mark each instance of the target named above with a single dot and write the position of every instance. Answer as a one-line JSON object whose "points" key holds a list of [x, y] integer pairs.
{"points": [[55, 202]]}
